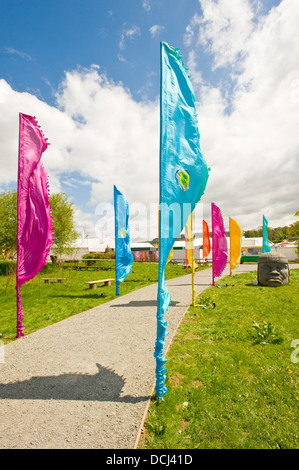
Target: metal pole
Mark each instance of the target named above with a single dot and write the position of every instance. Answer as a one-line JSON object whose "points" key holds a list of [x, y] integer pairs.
{"points": [[193, 269], [213, 245]]}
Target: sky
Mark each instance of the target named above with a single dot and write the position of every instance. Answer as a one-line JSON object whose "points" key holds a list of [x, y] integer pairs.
{"points": [[89, 70]]}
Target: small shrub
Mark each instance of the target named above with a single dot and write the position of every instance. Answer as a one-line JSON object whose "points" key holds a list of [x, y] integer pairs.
{"points": [[206, 302], [7, 268], [265, 333]]}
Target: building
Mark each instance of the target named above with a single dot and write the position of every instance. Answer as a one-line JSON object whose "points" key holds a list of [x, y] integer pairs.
{"points": [[142, 251], [148, 251], [288, 249], [252, 246]]}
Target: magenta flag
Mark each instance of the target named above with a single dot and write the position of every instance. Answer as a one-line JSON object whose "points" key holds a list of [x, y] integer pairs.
{"points": [[34, 226], [219, 243]]}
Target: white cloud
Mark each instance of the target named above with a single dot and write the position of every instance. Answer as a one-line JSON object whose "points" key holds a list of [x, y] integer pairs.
{"points": [[147, 87], [252, 149], [128, 34], [223, 29], [197, 79], [13, 51], [121, 58], [155, 30], [97, 130], [146, 4]]}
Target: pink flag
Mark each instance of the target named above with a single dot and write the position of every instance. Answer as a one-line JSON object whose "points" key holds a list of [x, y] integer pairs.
{"points": [[219, 243], [34, 227]]}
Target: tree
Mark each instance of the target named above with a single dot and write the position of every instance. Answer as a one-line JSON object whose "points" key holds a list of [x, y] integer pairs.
{"points": [[63, 224], [294, 231], [8, 223], [276, 235], [258, 232]]}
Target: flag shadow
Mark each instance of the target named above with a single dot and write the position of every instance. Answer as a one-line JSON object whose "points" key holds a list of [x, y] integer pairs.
{"points": [[144, 303], [105, 385]]}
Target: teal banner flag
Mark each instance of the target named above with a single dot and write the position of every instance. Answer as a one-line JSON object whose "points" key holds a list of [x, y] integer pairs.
{"points": [[183, 178], [266, 245], [123, 253]]}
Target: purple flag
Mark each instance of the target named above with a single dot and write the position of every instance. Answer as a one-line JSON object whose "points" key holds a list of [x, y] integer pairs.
{"points": [[34, 227], [219, 243]]}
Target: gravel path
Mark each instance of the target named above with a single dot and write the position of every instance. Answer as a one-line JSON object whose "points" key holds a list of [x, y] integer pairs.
{"points": [[85, 382]]}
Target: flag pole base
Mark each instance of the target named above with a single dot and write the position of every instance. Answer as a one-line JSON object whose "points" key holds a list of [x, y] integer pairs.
{"points": [[20, 315]]}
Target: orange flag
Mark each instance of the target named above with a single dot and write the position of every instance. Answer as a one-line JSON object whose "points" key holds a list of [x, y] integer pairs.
{"points": [[235, 233], [206, 244]]}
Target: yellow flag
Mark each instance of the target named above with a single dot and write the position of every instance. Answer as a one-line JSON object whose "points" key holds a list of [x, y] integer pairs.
{"points": [[189, 242], [235, 233], [170, 256]]}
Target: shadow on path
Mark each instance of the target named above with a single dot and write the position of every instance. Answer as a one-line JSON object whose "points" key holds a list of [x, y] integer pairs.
{"points": [[106, 385], [208, 284], [144, 303]]}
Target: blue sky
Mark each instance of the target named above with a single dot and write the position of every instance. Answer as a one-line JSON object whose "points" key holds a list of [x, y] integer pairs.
{"points": [[90, 71], [42, 39]]}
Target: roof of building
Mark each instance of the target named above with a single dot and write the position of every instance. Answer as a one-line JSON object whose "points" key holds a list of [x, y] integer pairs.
{"points": [[98, 245], [258, 241]]}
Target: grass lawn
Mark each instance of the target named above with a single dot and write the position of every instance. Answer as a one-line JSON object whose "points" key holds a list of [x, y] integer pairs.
{"points": [[44, 304], [228, 387]]}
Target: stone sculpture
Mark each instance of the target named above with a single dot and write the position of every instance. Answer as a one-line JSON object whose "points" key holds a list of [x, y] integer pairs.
{"points": [[273, 269]]}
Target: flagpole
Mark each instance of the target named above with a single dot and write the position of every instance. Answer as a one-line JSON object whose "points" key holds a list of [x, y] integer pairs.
{"points": [[182, 178], [213, 245], [115, 243], [161, 327], [193, 269], [230, 249], [186, 249], [20, 315], [203, 260]]}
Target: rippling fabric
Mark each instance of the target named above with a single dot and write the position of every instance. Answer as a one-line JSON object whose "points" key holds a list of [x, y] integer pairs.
{"points": [[183, 178], [206, 244], [123, 253], [235, 237], [266, 245], [219, 242], [34, 223]]}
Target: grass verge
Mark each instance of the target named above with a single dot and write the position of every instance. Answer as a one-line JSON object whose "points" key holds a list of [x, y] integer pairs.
{"points": [[232, 382]]}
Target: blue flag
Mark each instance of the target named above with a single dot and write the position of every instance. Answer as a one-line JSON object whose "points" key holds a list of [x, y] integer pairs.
{"points": [[123, 254], [266, 246], [183, 177]]}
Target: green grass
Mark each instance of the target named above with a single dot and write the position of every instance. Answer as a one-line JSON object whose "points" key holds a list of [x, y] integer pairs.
{"points": [[229, 388], [45, 304]]}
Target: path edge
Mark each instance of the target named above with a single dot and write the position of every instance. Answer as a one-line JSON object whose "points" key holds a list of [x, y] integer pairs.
{"points": [[153, 389]]}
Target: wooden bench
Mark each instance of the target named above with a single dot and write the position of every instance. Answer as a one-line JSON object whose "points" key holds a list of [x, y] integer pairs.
{"points": [[53, 279], [93, 284]]}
